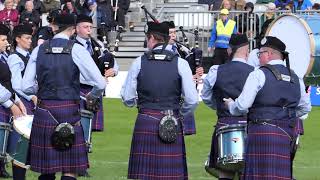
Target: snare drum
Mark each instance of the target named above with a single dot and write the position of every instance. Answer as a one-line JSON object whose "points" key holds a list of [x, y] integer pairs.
{"points": [[4, 134], [86, 122], [231, 147], [302, 39], [18, 143]]}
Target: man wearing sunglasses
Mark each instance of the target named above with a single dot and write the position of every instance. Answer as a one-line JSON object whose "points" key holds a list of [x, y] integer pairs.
{"points": [[274, 97]]}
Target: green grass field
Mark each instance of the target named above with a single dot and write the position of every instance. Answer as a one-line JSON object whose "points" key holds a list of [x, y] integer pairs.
{"points": [[109, 160]]}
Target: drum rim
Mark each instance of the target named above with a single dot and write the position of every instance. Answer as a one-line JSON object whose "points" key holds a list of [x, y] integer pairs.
{"points": [[310, 34], [232, 126], [3, 123], [20, 164], [19, 132]]}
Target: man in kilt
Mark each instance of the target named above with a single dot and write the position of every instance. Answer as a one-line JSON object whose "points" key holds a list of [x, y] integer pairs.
{"points": [[274, 97], [57, 142], [83, 30], [189, 124], [226, 80], [22, 35], [155, 82], [10, 103]]}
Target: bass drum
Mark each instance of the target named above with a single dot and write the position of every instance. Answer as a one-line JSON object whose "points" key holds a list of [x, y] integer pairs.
{"points": [[301, 35]]}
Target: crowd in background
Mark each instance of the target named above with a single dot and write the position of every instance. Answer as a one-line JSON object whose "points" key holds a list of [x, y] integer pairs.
{"points": [[278, 4], [14, 12]]}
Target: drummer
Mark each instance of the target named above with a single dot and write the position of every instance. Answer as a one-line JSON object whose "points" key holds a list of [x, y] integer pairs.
{"points": [[8, 100], [57, 141], [22, 35], [226, 80], [273, 97]]}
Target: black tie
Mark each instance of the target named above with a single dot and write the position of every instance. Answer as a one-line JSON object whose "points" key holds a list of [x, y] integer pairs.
{"points": [[28, 56]]}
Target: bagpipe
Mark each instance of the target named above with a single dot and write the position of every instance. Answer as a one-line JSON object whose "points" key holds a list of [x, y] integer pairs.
{"points": [[105, 59], [192, 55], [148, 13]]}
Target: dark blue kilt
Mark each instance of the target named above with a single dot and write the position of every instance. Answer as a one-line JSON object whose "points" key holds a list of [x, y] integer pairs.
{"points": [[29, 106], [268, 153], [189, 124], [214, 143], [43, 157], [151, 158], [5, 114], [97, 121]]}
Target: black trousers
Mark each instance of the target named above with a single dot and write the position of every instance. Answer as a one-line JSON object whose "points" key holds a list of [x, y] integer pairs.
{"points": [[121, 17], [220, 56]]}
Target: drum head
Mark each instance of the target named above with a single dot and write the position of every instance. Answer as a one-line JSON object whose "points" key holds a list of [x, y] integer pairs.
{"points": [[23, 125], [298, 36]]}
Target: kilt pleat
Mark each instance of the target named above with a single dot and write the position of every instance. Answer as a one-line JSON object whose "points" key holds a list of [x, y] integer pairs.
{"points": [[98, 118], [29, 106], [189, 124], [5, 114], [268, 153], [152, 159], [299, 130], [213, 156], [43, 157]]}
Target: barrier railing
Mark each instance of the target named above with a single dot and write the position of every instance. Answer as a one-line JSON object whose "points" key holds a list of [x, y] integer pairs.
{"points": [[249, 23]]}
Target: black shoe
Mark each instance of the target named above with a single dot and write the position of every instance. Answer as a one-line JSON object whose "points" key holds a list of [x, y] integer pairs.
{"points": [[5, 174], [84, 174]]}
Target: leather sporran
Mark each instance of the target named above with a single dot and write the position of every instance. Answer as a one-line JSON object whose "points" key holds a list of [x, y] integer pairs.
{"points": [[168, 129], [63, 137]]}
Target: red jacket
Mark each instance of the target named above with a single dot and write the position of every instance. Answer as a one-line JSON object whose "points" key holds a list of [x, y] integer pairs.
{"points": [[12, 15]]}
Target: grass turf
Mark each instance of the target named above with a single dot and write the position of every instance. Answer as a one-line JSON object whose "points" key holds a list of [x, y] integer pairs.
{"points": [[109, 160]]}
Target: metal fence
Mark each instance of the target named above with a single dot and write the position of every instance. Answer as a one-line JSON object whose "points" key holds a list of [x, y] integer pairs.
{"points": [[249, 23]]}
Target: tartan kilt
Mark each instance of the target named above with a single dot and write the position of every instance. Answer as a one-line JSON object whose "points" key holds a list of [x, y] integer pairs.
{"points": [[213, 156], [97, 121], [43, 157], [268, 153], [151, 158], [29, 106], [189, 124], [5, 114], [298, 129]]}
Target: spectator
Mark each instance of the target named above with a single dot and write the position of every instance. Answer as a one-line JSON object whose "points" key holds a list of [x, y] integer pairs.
{"points": [[30, 15], [245, 20], [316, 6], [302, 4], [281, 4], [121, 8], [220, 36], [269, 14], [9, 15], [88, 7], [37, 5], [104, 17], [226, 4], [50, 5], [69, 8]]}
